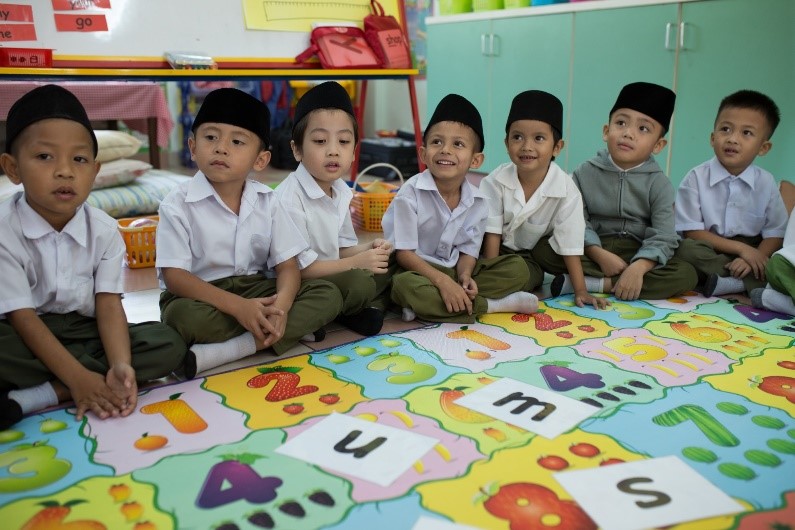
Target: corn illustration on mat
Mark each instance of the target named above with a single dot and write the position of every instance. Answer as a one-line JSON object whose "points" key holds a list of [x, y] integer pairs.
{"points": [[706, 380]]}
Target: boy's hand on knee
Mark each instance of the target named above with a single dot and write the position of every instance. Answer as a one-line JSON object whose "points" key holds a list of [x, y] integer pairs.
{"points": [[469, 286], [454, 296], [92, 393], [611, 264], [755, 262], [629, 284], [121, 381]]}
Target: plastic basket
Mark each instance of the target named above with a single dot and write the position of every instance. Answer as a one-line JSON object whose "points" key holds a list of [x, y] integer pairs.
{"points": [[140, 242], [367, 209]]}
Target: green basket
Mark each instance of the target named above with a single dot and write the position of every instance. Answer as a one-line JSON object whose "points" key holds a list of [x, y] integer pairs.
{"points": [[486, 5], [513, 4], [451, 7]]}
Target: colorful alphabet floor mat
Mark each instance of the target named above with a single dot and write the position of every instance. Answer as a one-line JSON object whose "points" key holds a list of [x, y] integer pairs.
{"points": [[675, 413]]}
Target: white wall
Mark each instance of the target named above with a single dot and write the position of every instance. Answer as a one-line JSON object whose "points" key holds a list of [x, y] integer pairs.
{"points": [[388, 105]]}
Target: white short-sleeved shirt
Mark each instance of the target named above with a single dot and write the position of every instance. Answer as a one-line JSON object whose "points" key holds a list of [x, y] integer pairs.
{"points": [[325, 222], [750, 204], [418, 219], [57, 272], [200, 234], [555, 208]]}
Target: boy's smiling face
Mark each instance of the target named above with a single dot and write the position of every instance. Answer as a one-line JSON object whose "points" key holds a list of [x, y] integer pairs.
{"points": [[632, 137], [740, 135], [449, 151], [54, 160], [531, 146]]}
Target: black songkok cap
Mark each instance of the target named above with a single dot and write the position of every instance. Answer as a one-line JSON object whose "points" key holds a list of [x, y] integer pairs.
{"points": [[652, 100], [536, 105], [43, 103], [235, 107], [328, 95], [457, 108]]}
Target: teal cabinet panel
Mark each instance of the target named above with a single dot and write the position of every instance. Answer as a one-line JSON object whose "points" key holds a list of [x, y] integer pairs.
{"points": [[729, 45], [612, 48], [532, 53]]}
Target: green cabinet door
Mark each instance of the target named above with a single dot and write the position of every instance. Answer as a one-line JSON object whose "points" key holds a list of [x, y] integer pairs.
{"points": [[614, 47], [531, 53], [729, 45], [458, 63]]}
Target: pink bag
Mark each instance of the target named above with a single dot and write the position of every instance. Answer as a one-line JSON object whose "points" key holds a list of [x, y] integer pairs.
{"points": [[340, 47], [386, 38]]}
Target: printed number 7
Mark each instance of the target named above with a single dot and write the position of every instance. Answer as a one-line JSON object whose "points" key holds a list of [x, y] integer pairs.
{"points": [[706, 423]]}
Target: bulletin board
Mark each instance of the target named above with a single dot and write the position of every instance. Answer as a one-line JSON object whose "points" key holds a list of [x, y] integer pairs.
{"points": [[114, 30]]}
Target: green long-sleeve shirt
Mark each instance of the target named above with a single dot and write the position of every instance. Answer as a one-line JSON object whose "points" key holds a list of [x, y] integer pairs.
{"points": [[638, 203]]}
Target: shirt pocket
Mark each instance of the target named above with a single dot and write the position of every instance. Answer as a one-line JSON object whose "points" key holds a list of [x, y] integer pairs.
{"points": [[753, 223], [528, 234], [260, 250]]}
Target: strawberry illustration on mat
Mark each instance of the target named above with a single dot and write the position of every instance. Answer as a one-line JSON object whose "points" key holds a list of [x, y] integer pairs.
{"points": [[286, 386]]}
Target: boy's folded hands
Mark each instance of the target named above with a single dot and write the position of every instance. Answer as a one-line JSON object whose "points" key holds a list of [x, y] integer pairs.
{"points": [[121, 380], [91, 392], [255, 314], [374, 259]]}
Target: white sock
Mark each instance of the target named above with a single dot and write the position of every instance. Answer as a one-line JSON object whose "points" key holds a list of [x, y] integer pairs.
{"points": [[34, 398], [592, 285], [215, 354], [408, 315], [519, 302], [728, 285], [775, 301]]}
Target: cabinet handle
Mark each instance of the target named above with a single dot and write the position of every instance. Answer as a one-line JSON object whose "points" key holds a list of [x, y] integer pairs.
{"points": [[668, 28], [483, 44], [492, 39], [682, 26]]}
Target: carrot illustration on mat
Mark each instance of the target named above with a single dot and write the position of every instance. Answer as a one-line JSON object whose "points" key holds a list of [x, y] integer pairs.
{"points": [[479, 338]]}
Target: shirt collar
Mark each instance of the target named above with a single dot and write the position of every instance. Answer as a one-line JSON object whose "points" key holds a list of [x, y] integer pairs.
{"points": [[35, 226], [199, 188], [468, 191], [552, 185], [717, 173], [312, 188]]}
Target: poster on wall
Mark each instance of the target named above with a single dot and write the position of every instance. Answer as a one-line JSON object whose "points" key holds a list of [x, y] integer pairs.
{"points": [[416, 11]]}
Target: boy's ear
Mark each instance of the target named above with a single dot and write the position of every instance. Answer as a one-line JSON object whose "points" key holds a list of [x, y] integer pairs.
{"points": [[9, 165], [263, 158], [296, 151], [192, 147], [662, 142], [605, 128], [477, 160], [558, 147], [765, 148], [423, 154]]}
